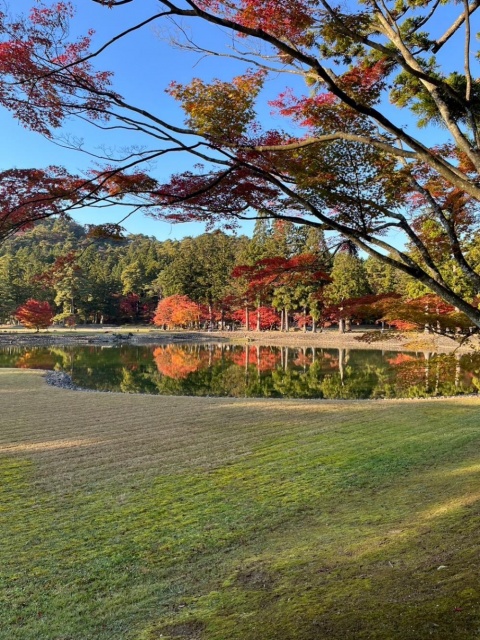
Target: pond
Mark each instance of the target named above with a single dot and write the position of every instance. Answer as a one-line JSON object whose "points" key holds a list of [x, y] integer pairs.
{"points": [[255, 371]]}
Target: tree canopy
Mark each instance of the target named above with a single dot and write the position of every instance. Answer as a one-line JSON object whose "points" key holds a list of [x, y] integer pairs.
{"points": [[343, 159]]}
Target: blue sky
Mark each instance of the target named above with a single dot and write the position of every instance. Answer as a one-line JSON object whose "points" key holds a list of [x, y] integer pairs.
{"points": [[144, 65]]}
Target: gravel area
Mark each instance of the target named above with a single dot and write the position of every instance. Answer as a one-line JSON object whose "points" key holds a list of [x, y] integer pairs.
{"points": [[329, 338]]}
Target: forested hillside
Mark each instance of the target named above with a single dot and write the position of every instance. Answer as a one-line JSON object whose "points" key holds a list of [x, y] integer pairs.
{"points": [[283, 275]]}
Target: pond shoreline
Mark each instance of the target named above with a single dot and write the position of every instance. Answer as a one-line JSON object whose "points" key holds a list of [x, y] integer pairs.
{"points": [[329, 338], [328, 347]]}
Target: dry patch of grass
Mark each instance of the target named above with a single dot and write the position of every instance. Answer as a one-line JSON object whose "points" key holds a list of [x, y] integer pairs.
{"points": [[145, 517]]}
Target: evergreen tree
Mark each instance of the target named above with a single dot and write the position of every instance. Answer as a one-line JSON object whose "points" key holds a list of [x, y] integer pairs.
{"points": [[382, 278], [349, 281]]}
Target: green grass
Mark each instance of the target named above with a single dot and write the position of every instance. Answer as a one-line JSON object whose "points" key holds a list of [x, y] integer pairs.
{"points": [[137, 517]]}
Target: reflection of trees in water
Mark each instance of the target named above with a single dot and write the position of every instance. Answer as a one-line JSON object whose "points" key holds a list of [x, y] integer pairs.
{"points": [[256, 370], [48, 358], [35, 360], [176, 363], [429, 374]]}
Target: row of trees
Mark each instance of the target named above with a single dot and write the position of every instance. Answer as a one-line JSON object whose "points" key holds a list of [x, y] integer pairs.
{"points": [[284, 275]]}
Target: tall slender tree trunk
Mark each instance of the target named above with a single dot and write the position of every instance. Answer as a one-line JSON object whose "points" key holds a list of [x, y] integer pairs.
{"points": [[427, 355], [341, 364], [458, 369], [247, 362]]}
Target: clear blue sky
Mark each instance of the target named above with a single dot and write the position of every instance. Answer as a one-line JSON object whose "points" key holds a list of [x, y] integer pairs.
{"points": [[144, 65]]}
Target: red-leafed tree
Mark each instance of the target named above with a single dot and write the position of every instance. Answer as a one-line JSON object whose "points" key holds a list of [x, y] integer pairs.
{"points": [[263, 319], [134, 310], [368, 308], [29, 195], [177, 311], [341, 160], [429, 313], [35, 314], [293, 281]]}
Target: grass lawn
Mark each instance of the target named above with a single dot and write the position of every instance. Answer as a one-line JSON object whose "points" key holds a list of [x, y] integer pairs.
{"points": [[146, 517]]}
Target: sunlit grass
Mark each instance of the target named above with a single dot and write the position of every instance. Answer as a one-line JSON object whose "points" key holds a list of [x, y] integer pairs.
{"points": [[140, 517]]}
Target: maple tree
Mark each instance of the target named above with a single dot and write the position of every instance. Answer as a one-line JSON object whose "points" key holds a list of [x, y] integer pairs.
{"points": [[368, 308], [35, 314], [341, 162], [177, 311], [264, 318], [132, 308], [428, 313], [288, 282]]}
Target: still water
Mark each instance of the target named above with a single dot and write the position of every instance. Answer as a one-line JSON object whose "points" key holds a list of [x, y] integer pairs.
{"points": [[256, 371]]}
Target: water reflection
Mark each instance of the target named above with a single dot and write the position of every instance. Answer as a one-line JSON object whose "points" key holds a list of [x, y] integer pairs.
{"points": [[256, 371]]}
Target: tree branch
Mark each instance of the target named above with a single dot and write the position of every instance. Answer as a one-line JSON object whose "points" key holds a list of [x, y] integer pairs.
{"points": [[473, 6], [337, 136]]}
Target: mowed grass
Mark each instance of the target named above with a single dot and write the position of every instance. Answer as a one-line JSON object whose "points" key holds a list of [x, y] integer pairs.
{"points": [[146, 517]]}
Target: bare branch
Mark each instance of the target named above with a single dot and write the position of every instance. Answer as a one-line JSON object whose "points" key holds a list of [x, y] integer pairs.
{"points": [[396, 151], [473, 6]]}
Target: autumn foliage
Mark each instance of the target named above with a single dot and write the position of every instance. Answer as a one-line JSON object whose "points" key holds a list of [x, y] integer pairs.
{"points": [[177, 311], [429, 312], [35, 314], [263, 318]]}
